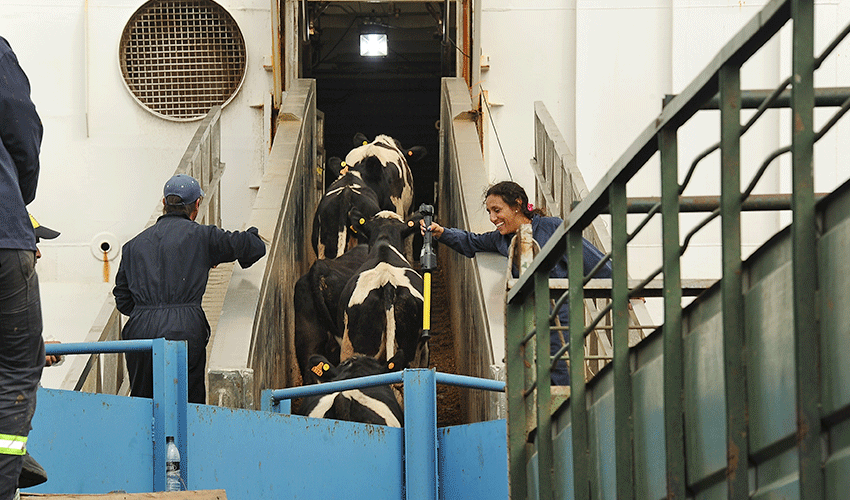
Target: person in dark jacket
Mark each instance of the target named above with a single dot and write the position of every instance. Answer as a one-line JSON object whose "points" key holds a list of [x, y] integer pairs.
{"points": [[162, 278], [21, 346], [508, 206]]}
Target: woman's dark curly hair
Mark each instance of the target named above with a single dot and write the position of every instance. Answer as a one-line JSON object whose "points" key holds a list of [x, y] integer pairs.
{"points": [[514, 196]]}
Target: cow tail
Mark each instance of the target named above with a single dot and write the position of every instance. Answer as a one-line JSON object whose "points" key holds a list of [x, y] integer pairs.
{"points": [[321, 307]]}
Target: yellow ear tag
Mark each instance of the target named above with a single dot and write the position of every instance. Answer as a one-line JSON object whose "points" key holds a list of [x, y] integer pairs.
{"points": [[410, 223], [342, 164], [352, 228], [362, 221], [326, 366], [365, 142]]}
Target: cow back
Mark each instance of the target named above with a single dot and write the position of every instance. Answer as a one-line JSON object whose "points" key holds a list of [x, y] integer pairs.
{"points": [[316, 300], [331, 232]]}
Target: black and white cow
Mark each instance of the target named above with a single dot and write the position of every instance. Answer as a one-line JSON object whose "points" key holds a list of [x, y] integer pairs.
{"points": [[381, 305], [332, 235], [371, 405], [317, 296], [383, 165]]}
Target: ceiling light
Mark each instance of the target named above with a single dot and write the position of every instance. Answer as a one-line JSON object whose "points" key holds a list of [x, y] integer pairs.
{"points": [[373, 45]]}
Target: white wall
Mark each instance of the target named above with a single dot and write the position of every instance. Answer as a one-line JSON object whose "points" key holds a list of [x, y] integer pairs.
{"points": [[104, 157], [602, 68]]}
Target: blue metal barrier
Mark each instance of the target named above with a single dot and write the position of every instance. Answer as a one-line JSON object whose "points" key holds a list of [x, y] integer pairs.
{"points": [[170, 393], [97, 443], [420, 417]]}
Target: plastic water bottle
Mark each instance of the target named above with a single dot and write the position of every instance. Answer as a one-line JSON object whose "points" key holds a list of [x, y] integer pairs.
{"points": [[172, 465]]}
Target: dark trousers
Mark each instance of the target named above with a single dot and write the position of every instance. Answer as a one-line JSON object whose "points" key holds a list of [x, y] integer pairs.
{"points": [[21, 359], [140, 369]]}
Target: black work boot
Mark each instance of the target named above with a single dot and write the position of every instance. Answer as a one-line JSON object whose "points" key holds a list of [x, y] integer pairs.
{"points": [[32, 473]]}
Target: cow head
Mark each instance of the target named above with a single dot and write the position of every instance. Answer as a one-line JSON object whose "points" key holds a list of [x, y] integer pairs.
{"points": [[384, 225], [354, 367], [336, 167]]}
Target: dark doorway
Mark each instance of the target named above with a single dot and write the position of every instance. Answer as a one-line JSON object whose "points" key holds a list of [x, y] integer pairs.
{"points": [[397, 94]]}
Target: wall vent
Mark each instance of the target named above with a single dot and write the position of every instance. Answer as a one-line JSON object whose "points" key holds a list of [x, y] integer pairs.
{"points": [[180, 58]]}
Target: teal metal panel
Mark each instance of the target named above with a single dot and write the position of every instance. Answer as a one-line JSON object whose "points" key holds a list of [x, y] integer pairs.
{"points": [[473, 461], [562, 457], [648, 394], [834, 275], [531, 471], [715, 492], [705, 400], [770, 361], [603, 478], [837, 466], [777, 478]]}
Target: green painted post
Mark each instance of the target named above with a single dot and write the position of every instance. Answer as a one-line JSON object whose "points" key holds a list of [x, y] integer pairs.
{"points": [[804, 253], [674, 432], [623, 428], [578, 406], [515, 328], [737, 447], [544, 383]]}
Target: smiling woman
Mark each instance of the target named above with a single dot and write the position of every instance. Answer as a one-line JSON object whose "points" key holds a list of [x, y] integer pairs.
{"points": [[508, 206]]}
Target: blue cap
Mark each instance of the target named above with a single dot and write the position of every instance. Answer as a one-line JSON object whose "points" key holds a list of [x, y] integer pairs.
{"points": [[184, 186]]}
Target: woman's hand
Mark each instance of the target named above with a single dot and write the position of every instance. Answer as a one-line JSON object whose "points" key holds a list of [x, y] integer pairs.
{"points": [[436, 229]]}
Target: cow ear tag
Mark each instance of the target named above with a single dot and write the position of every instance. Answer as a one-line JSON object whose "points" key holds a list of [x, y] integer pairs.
{"points": [[365, 142], [319, 369], [361, 221], [326, 367], [410, 153], [342, 164], [353, 229], [391, 365], [410, 223]]}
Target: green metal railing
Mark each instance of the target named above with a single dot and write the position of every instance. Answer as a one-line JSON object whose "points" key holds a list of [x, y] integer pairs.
{"points": [[532, 458]]}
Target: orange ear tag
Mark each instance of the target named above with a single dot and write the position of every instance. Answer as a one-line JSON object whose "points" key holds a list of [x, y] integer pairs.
{"points": [[410, 223], [391, 366], [318, 369], [410, 153]]}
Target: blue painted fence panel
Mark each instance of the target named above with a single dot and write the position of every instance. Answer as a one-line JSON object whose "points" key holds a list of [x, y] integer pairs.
{"points": [[92, 443], [473, 461], [259, 455]]}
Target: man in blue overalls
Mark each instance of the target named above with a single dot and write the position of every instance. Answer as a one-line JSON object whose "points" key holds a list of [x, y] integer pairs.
{"points": [[162, 278]]}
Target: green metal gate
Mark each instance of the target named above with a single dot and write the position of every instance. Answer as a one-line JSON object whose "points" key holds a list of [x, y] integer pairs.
{"points": [[609, 422]]}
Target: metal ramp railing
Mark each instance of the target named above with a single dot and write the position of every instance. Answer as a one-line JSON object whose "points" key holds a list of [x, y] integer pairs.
{"points": [[536, 470]]}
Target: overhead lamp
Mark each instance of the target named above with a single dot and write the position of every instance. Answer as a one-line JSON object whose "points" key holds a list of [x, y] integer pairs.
{"points": [[373, 45]]}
